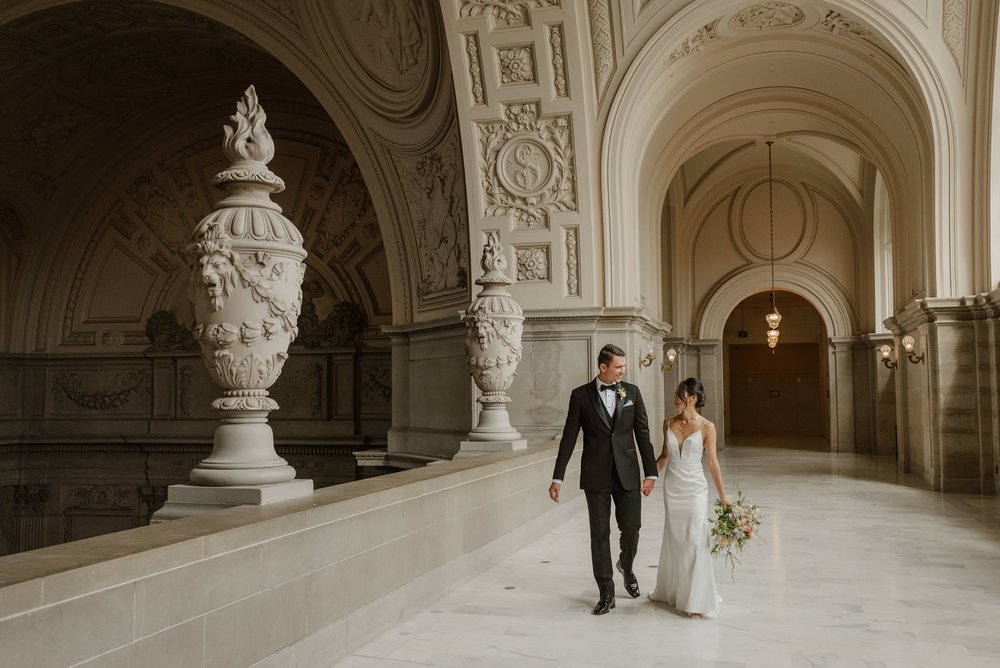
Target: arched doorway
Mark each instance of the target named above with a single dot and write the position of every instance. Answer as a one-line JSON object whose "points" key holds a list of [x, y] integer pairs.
{"points": [[776, 396]]}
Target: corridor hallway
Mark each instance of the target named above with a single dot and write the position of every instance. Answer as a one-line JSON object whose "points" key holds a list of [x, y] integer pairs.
{"points": [[857, 566]]}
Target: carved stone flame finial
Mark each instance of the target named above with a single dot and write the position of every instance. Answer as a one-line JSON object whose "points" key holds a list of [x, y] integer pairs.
{"points": [[249, 146], [494, 262], [247, 139]]}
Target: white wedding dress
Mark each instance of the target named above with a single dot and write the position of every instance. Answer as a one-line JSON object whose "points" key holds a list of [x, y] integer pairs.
{"points": [[685, 578]]}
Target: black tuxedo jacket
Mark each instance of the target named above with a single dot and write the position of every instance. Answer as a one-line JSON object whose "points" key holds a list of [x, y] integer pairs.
{"points": [[602, 441]]}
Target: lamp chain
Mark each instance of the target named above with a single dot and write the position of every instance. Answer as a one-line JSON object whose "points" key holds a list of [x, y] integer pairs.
{"points": [[770, 202]]}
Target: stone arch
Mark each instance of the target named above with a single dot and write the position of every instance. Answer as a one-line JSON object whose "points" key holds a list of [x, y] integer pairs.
{"points": [[387, 127], [828, 300], [649, 135]]}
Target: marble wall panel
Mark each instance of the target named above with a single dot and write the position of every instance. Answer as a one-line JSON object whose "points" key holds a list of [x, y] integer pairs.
{"points": [[541, 389]]}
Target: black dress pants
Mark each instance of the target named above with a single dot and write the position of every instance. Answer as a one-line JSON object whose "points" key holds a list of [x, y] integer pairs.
{"points": [[628, 514]]}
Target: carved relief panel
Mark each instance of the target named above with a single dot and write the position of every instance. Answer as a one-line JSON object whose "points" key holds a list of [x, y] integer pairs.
{"points": [[526, 168], [435, 192], [99, 390]]}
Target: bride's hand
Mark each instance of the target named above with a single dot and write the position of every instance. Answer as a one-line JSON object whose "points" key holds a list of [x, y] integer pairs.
{"points": [[726, 501]]}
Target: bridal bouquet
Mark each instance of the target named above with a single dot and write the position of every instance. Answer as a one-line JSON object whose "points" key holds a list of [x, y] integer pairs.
{"points": [[733, 527]]}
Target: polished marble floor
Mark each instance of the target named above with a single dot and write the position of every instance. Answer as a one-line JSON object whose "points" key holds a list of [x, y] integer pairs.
{"points": [[858, 566]]}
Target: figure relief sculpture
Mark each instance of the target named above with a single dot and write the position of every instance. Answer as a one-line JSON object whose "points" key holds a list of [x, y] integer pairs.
{"points": [[247, 269], [493, 328]]}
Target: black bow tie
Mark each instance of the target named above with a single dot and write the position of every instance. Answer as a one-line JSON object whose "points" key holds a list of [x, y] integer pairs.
{"points": [[608, 387]]}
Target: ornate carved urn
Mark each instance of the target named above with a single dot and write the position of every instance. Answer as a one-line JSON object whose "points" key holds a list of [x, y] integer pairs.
{"points": [[493, 328], [247, 270]]}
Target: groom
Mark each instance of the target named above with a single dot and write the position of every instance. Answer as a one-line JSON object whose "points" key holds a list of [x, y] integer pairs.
{"points": [[614, 421]]}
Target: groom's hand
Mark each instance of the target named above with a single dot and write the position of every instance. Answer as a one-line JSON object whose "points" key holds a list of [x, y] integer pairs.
{"points": [[647, 487], [554, 491]]}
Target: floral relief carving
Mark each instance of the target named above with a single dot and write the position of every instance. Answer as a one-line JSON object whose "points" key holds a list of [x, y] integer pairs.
{"points": [[526, 166], [696, 42], [511, 12], [532, 263], [517, 65], [558, 60], [475, 68], [76, 387], [572, 262], [435, 193], [601, 43], [102, 497], [954, 30], [768, 16]]}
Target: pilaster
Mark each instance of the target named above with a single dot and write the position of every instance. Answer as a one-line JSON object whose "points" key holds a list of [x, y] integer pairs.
{"points": [[842, 412], [948, 399]]}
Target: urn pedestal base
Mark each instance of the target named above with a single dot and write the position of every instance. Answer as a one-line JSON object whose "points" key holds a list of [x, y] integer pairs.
{"points": [[190, 500]]}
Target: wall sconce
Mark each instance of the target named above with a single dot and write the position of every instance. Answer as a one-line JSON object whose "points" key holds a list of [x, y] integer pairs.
{"points": [[908, 343], [648, 359], [671, 360], [886, 355]]}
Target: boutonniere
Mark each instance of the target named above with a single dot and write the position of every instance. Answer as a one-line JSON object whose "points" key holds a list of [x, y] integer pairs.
{"points": [[621, 391]]}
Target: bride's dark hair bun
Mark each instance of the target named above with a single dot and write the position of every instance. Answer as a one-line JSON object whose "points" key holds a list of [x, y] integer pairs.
{"points": [[692, 387]]}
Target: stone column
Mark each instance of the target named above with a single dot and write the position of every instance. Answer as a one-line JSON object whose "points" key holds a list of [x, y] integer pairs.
{"points": [[247, 269], [493, 327]]}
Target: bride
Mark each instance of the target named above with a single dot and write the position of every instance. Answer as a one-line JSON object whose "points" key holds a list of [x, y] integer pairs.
{"points": [[685, 578]]}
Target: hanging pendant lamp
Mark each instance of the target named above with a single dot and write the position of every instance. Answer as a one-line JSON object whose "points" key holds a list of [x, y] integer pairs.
{"points": [[774, 317]]}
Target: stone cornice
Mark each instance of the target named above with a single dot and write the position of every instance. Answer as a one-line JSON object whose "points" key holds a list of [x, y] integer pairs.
{"points": [[944, 309]]}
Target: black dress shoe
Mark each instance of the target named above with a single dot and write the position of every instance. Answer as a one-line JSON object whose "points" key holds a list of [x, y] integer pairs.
{"points": [[605, 605], [631, 583]]}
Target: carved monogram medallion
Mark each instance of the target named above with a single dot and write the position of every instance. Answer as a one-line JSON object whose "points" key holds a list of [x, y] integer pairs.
{"points": [[526, 166]]}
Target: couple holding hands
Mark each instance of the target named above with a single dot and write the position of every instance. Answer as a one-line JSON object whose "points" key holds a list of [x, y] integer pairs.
{"points": [[613, 418]]}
